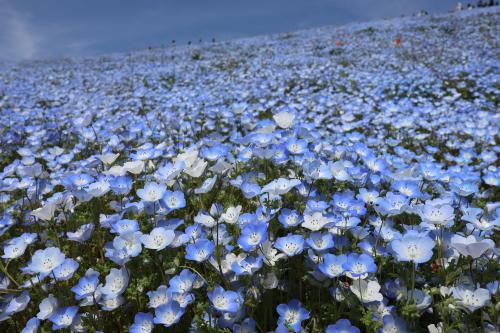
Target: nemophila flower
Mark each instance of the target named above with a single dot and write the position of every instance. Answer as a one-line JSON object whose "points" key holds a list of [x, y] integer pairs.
{"points": [[320, 241], [44, 261], [247, 326], [284, 119], [413, 246], [158, 239], [271, 255], [252, 235], [247, 266], [471, 299], [250, 190], [173, 200], [392, 204], [168, 172], [14, 248], [358, 266], [116, 283], [48, 306], [296, 146], [129, 242], [280, 186], [225, 301], [200, 250], [231, 214], [87, 285], [207, 185], [32, 326], [158, 297], [368, 197], [471, 246], [124, 226], [464, 187], [289, 218], [333, 265], [120, 185], [183, 282], [66, 269], [315, 221], [205, 219], [290, 245], [152, 192], [63, 317], [292, 315], [17, 304], [143, 323], [342, 326], [437, 212], [393, 324], [81, 234]]}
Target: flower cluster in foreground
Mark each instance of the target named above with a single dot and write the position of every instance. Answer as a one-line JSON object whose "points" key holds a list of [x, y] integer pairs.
{"points": [[348, 188]]}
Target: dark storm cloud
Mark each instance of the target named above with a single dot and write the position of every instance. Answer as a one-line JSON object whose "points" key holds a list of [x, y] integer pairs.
{"points": [[54, 28]]}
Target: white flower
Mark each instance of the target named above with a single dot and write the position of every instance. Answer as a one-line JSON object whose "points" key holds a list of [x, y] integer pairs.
{"points": [[232, 214], [134, 167], [367, 291], [314, 222], [471, 299], [47, 307], [284, 119]]}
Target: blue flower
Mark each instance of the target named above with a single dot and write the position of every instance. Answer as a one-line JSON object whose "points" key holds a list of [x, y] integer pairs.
{"points": [[66, 270], [358, 266], [173, 200], [87, 285], [31, 326], [342, 326], [413, 246], [320, 241], [292, 315], [252, 235], [44, 261], [63, 317], [120, 185], [200, 251], [290, 245], [158, 239], [143, 323], [290, 218], [225, 301], [332, 265], [183, 282], [168, 314]]}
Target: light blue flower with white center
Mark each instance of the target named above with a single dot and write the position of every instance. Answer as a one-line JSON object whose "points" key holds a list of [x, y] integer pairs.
{"points": [[44, 261], [116, 282], [14, 248], [82, 234], [333, 265], [200, 251], [130, 242], [408, 188], [120, 185], [280, 186], [183, 282], [296, 146], [320, 241], [292, 315], [158, 239], [247, 266], [358, 266], [250, 190], [124, 226], [158, 297], [342, 326], [17, 304], [413, 246], [63, 317], [225, 301], [290, 218], [290, 245], [392, 204], [247, 326], [168, 314], [143, 323], [87, 285], [32, 326], [252, 235], [48, 306], [66, 270], [152, 192], [173, 200]]}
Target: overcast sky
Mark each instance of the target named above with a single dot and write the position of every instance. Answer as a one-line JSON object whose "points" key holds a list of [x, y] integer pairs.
{"points": [[32, 29]]}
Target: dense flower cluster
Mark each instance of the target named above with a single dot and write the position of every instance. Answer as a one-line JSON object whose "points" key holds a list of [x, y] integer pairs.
{"points": [[288, 183]]}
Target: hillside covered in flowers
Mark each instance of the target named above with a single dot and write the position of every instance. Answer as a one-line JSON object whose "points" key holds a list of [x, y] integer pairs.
{"points": [[341, 179]]}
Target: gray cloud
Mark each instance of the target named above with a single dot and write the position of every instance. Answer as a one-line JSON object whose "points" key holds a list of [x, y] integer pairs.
{"points": [[56, 28]]}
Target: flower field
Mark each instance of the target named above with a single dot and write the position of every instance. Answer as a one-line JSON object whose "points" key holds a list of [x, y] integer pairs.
{"points": [[340, 179]]}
